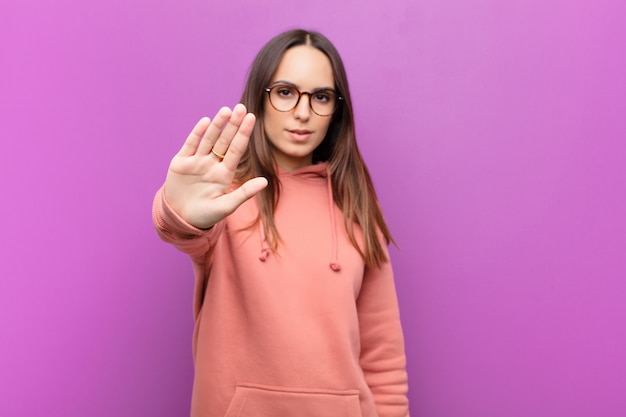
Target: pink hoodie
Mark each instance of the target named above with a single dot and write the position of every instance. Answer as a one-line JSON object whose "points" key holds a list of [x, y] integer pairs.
{"points": [[306, 331]]}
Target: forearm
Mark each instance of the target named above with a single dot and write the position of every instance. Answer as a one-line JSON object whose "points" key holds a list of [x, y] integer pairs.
{"points": [[383, 357], [172, 229]]}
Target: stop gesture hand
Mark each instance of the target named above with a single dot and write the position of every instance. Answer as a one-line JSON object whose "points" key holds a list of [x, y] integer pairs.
{"points": [[199, 181]]}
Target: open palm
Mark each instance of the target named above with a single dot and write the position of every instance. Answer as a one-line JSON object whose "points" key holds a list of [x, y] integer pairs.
{"points": [[199, 181]]}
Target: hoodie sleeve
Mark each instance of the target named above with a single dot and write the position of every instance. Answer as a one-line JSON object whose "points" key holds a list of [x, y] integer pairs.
{"points": [[382, 343], [173, 229]]}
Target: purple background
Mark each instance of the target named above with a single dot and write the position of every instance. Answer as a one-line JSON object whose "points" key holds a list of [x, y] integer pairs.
{"points": [[495, 132]]}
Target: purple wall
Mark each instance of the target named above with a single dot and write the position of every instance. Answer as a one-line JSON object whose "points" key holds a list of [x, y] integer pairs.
{"points": [[496, 134]]}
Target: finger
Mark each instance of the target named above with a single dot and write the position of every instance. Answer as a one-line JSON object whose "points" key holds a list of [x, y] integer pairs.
{"points": [[213, 131], [229, 131], [249, 189], [191, 143], [239, 144]]}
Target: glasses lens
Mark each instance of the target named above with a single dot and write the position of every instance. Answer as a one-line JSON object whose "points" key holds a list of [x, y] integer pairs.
{"points": [[323, 102], [284, 97]]}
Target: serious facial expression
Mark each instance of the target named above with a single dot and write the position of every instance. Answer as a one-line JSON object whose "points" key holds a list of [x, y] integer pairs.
{"points": [[295, 134]]}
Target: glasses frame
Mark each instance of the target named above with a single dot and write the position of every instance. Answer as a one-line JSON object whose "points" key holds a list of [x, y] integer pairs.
{"points": [[268, 90]]}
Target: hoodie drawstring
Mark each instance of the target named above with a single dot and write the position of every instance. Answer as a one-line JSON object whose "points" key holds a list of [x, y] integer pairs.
{"points": [[265, 249], [334, 255], [334, 261]]}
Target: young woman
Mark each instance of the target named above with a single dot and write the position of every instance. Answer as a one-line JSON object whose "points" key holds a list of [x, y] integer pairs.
{"points": [[295, 306]]}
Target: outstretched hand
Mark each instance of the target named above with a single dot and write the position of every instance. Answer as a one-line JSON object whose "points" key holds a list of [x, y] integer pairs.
{"points": [[200, 177]]}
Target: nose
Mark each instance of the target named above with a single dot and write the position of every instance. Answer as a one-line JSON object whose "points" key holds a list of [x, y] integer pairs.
{"points": [[303, 109]]}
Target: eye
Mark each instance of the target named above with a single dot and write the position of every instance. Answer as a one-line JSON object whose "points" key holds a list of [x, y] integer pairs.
{"points": [[323, 96], [284, 91]]}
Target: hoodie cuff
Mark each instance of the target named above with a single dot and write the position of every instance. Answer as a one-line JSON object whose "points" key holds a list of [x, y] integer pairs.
{"points": [[166, 219]]}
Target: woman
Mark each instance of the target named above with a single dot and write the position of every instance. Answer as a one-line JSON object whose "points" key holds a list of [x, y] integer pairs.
{"points": [[295, 307]]}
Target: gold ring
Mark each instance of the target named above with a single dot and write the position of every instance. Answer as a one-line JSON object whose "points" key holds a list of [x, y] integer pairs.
{"points": [[220, 156]]}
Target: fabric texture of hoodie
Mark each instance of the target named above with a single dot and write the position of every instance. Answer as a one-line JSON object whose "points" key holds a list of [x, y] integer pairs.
{"points": [[306, 331]]}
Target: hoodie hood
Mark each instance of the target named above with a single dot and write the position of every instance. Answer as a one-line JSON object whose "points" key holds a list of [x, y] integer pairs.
{"points": [[315, 172]]}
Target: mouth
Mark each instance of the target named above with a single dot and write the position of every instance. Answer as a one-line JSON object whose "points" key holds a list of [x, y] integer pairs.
{"points": [[300, 134]]}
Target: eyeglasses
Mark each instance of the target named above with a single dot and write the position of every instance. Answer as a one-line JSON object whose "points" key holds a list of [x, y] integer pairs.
{"points": [[284, 98]]}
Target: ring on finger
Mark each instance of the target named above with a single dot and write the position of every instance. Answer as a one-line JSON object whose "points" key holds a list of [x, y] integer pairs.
{"points": [[219, 155]]}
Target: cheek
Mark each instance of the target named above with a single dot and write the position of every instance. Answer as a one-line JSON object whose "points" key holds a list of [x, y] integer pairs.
{"points": [[273, 119], [269, 124], [323, 126]]}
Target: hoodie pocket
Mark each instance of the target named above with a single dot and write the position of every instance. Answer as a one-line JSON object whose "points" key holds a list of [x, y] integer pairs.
{"points": [[254, 400]]}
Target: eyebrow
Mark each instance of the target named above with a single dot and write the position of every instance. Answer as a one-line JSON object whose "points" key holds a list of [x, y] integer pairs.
{"points": [[285, 82]]}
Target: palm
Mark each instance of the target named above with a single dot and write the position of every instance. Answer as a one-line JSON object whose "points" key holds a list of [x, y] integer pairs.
{"points": [[198, 186]]}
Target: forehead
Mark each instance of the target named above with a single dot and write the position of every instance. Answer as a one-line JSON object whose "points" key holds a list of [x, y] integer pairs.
{"points": [[306, 67]]}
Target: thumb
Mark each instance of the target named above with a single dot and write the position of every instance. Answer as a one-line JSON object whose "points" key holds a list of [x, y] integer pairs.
{"points": [[248, 189]]}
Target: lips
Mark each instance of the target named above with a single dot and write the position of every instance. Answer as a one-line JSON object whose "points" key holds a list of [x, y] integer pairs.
{"points": [[300, 134]]}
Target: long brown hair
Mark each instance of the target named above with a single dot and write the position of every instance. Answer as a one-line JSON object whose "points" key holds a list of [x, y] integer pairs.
{"points": [[353, 190]]}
